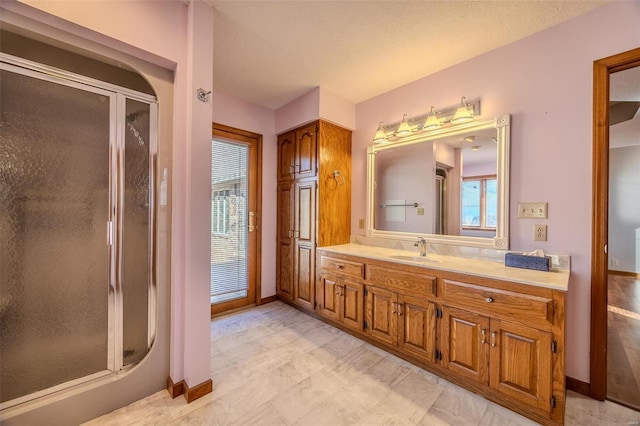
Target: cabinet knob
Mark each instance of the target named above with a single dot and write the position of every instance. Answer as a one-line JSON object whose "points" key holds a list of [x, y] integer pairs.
{"points": [[340, 266], [488, 299]]}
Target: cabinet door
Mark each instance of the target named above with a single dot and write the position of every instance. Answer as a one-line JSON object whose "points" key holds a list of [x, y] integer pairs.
{"points": [[305, 217], [416, 326], [286, 156], [284, 254], [465, 344], [306, 155], [304, 272], [327, 297], [381, 315], [521, 363], [351, 304]]}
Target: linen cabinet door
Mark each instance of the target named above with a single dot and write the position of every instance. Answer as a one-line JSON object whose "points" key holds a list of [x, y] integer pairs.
{"points": [[465, 344], [327, 297], [304, 276], [285, 242], [381, 315], [417, 326], [521, 363], [286, 156], [305, 237], [306, 154], [352, 304]]}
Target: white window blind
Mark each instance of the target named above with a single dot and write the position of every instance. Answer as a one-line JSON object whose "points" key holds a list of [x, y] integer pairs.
{"points": [[229, 188]]}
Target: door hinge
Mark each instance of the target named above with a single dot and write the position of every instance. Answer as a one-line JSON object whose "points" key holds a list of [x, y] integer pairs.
{"points": [[553, 402], [438, 355], [554, 346], [438, 313], [365, 325], [366, 292]]}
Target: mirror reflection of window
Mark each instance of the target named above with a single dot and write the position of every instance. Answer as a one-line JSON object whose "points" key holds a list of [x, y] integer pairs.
{"points": [[479, 202]]}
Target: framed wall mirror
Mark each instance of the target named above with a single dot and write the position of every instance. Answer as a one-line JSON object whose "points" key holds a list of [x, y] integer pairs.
{"points": [[449, 185]]}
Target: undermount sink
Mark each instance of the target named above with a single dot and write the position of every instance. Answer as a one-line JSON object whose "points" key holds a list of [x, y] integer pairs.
{"points": [[418, 259]]}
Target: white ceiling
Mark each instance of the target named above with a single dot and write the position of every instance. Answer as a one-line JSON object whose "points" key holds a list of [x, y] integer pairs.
{"points": [[272, 52]]}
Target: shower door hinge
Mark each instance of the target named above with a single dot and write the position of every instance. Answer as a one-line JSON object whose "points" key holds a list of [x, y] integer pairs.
{"points": [[109, 232]]}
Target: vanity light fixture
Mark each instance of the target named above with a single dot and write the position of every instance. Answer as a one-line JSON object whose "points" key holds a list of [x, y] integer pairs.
{"points": [[381, 136], [432, 122], [462, 114], [404, 129]]}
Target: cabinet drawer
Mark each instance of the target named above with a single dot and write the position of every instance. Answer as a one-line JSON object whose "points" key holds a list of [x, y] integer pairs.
{"points": [[347, 267], [523, 307], [403, 280]]}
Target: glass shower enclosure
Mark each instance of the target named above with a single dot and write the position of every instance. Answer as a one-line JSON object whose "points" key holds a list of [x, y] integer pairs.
{"points": [[76, 229]]}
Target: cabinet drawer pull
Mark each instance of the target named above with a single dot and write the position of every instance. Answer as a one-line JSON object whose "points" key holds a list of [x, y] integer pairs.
{"points": [[493, 339], [484, 339], [399, 310], [488, 299], [393, 307]]}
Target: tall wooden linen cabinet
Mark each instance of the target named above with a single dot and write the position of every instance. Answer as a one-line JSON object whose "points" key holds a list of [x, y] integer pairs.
{"points": [[314, 204]]}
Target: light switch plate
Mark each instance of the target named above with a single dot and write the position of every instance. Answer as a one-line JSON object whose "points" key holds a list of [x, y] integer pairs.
{"points": [[532, 210]]}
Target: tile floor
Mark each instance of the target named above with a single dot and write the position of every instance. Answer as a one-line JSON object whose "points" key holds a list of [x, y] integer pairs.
{"points": [[274, 365]]}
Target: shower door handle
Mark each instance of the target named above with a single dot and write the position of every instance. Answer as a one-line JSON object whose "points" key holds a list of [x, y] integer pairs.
{"points": [[109, 232]]}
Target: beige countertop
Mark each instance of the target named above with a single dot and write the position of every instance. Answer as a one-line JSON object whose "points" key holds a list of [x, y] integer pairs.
{"points": [[554, 279]]}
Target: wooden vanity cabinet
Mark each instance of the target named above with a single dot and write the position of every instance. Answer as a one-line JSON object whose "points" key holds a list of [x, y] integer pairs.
{"points": [[405, 322], [510, 358], [314, 204], [339, 292], [501, 339]]}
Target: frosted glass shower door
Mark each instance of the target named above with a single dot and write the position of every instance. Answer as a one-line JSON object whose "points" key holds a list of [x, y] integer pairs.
{"points": [[54, 198]]}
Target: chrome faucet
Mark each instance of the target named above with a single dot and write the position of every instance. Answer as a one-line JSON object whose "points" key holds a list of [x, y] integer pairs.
{"points": [[422, 244]]}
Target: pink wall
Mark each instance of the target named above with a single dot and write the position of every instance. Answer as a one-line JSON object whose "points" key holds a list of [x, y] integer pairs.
{"points": [[243, 115], [302, 110], [545, 82]]}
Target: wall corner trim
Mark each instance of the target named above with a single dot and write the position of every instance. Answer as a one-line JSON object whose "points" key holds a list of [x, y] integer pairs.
{"points": [[197, 391], [190, 393], [175, 389]]}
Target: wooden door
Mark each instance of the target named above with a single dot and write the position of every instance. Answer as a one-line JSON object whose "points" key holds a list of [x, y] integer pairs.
{"points": [[327, 297], [465, 344], [286, 156], [417, 326], [351, 304], [521, 363], [306, 154], [235, 216], [284, 258], [381, 315]]}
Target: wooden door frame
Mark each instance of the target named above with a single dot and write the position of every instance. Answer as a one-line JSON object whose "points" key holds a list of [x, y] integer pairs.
{"points": [[232, 134], [602, 69]]}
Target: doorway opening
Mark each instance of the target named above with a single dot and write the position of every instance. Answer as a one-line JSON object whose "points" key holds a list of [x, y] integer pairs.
{"points": [[235, 213], [605, 286]]}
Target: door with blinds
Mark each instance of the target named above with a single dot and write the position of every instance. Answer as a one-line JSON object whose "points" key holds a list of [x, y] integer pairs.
{"points": [[235, 241]]}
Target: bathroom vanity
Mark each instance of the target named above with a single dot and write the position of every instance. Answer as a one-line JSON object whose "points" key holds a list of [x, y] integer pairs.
{"points": [[495, 330]]}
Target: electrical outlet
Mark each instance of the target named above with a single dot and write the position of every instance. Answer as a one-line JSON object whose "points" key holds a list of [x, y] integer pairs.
{"points": [[539, 232], [361, 223], [615, 262]]}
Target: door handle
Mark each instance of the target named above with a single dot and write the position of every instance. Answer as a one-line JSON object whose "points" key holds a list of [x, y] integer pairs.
{"points": [[252, 222], [484, 339], [493, 339]]}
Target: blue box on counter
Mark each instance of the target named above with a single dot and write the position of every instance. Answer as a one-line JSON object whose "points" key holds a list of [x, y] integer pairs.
{"points": [[517, 260]]}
